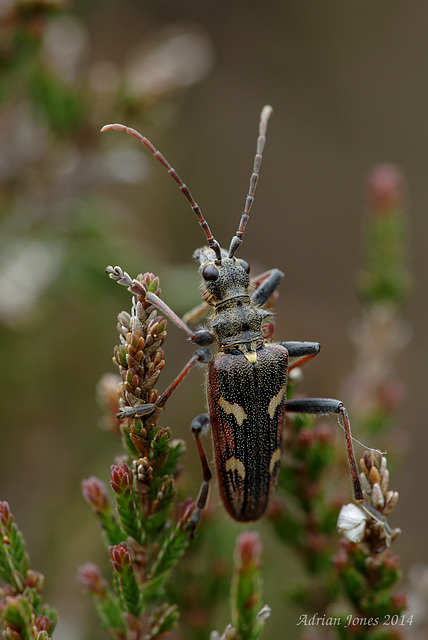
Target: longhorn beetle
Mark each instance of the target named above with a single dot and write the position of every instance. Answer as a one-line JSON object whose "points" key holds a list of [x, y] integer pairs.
{"points": [[247, 376]]}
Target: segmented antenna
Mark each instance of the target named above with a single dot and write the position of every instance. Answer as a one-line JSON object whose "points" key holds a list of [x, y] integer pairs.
{"points": [[212, 242], [261, 140]]}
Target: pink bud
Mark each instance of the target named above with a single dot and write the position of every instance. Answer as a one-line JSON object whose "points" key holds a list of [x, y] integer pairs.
{"points": [[95, 493], [248, 551], [90, 576], [385, 189], [120, 478], [120, 557], [6, 518]]}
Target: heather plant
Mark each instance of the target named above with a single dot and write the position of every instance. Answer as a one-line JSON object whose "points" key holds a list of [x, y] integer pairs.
{"points": [[23, 614], [143, 540]]}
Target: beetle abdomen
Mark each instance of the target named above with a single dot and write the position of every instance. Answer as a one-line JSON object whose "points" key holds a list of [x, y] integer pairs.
{"points": [[246, 404]]}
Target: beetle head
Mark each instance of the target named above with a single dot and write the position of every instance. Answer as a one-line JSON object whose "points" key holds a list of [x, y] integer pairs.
{"points": [[219, 278]]}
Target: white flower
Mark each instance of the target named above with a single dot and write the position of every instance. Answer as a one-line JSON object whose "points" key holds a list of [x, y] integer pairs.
{"points": [[351, 522]]}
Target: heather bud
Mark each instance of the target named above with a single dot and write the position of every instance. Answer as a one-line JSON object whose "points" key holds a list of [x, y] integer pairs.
{"points": [[90, 576], [120, 557], [95, 493]]}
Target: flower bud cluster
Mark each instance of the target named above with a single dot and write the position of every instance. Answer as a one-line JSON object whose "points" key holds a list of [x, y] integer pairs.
{"points": [[139, 355], [375, 482]]}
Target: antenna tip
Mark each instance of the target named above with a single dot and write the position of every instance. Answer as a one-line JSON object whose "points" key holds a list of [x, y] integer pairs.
{"points": [[106, 127], [266, 112]]}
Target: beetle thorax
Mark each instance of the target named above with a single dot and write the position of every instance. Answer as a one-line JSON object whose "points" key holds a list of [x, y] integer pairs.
{"points": [[237, 325], [236, 321]]}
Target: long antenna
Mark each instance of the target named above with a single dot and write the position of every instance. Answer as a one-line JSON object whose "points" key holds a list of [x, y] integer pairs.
{"points": [[261, 140], [214, 245]]}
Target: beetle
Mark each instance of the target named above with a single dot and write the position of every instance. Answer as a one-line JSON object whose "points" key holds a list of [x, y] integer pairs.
{"points": [[247, 376]]}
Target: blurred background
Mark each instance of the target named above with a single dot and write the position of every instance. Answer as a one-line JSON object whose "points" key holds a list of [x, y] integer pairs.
{"points": [[348, 84]]}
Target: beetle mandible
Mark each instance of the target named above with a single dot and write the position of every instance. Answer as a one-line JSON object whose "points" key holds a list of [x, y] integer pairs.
{"points": [[247, 376]]}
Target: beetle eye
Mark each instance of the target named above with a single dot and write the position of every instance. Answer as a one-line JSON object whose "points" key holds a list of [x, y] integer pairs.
{"points": [[245, 266], [210, 272]]}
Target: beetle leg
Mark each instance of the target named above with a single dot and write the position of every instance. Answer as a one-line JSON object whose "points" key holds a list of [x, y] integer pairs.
{"points": [[199, 425], [197, 313], [201, 355], [266, 284], [202, 337], [330, 405], [378, 517], [302, 351]]}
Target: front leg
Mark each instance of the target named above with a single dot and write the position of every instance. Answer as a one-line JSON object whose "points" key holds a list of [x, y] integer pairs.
{"points": [[201, 355], [202, 337]]}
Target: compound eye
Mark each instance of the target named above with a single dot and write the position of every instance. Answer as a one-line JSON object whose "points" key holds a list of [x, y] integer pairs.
{"points": [[210, 272], [245, 266]]}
